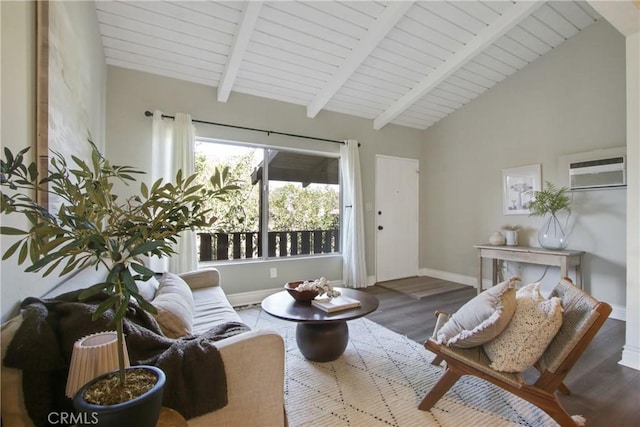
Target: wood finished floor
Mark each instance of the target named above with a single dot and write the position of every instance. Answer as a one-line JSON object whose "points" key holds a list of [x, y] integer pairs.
{"points": [[604, 392], [420, 287]]}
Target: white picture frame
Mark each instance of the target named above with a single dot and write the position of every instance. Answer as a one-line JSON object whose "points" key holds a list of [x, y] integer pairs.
{"points": [[518, 185]]}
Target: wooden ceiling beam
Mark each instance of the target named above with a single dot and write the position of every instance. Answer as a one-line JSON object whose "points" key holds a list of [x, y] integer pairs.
{"points": [[509, 19], [240, 42], [387, 20]]}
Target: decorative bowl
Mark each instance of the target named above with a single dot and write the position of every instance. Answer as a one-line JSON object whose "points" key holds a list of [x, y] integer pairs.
{"points": [[299, 295]]}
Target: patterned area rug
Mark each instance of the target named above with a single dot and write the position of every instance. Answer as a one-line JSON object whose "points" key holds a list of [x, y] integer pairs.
{"points": [[422, 286], [380, 380]]}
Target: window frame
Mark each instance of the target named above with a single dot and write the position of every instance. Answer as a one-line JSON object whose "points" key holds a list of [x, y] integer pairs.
{"points": [[264, 235]]}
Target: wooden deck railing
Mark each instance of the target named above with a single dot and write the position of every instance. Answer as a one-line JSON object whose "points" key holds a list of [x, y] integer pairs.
{"points": [[248, 245]]}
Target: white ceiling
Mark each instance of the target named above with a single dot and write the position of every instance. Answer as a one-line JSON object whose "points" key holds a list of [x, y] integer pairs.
{"points": [[401, 62]]}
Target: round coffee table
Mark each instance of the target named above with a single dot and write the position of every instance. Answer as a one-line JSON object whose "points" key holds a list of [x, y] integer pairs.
{"points": [[321, 336]]}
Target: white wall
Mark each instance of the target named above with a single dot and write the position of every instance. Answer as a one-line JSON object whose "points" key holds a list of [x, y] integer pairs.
{"points": [[18, 115], [129, 137], [569, 101], [631, 352]]}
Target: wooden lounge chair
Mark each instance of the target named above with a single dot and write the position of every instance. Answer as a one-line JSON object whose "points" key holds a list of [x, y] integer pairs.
{"points": [[582, 318]]}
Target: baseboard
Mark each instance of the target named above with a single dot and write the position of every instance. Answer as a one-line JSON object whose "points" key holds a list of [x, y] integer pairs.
{"points": [[618, 312], [451, 277], [255, 297], [630, 357], [250, 298]]}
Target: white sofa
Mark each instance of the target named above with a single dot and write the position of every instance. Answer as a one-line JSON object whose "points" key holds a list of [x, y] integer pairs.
{"points": [[254, 365]]}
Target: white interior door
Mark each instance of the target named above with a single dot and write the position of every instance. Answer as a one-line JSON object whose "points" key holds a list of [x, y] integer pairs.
{"points": [[396, 213]]}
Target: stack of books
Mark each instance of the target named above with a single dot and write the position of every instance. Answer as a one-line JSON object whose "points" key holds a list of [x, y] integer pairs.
{"points": [[339, 303]]}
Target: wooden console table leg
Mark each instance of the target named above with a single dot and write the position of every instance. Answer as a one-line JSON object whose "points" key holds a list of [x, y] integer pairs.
{"points": [[494, 278], [564, 271], [479, 285], [579, 272]]}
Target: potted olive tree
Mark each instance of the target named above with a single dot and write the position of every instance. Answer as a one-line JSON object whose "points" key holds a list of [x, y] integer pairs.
{"points": [[550, 203], [93, 227]]}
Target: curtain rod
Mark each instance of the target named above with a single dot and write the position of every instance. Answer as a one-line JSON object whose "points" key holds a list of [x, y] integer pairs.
{"points": [[268, 132]]}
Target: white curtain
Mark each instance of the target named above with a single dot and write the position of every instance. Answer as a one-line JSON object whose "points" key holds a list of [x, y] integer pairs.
{"points": [[173, 149], [354, 270]]}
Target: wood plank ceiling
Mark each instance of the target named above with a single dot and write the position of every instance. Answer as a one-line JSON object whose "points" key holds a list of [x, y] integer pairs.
{"points": [[401, 62]]}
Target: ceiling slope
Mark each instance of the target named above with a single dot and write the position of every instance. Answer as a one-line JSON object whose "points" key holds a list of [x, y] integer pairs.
{"points": [[409, 63]]}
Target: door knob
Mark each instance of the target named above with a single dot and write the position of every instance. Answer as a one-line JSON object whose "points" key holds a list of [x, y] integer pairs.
{"points": [[380, 227]]}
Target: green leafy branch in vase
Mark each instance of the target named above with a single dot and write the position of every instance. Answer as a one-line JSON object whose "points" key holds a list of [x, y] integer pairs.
{"points": [[549, 201]]}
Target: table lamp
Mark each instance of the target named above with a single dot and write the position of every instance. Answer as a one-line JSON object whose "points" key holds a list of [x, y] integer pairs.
{"points": [[93, 356]]}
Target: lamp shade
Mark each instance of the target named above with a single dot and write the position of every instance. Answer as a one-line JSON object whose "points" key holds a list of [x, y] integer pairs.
{"points": [[93, 356]]}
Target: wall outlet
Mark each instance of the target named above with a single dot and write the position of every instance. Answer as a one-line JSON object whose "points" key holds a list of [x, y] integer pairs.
{"points": [[273, 272]]}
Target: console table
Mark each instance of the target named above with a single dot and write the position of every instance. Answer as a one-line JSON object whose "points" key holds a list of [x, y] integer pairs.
{"points": [[556, 258]]}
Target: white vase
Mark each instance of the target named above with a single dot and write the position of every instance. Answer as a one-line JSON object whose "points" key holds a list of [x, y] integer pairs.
{"points": [[511, 237], [554, 233], [497, 238]]}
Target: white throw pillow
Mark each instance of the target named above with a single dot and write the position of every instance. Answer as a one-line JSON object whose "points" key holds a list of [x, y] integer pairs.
{"points": [[534, 324], [482, 318], [174, 302]]}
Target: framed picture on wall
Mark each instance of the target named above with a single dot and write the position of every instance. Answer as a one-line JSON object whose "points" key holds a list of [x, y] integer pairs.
{"points": [[63, 118], [518, 185]]}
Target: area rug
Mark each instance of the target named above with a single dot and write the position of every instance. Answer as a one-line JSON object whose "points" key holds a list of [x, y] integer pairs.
{"points": [[422, 287], [380, 380]]}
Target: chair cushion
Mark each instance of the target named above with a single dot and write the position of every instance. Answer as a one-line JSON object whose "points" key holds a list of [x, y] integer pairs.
{"points": [[476, 357], [534, 324], [482, 318], [175, 306]]}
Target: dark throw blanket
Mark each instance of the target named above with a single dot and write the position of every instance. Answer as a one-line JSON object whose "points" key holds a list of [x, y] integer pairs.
{"points": [[42, 347]]}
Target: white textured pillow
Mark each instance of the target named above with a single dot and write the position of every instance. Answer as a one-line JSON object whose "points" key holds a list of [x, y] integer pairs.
{"points": [[482, 318], [533, 326], [148, 289], [174, 302]]}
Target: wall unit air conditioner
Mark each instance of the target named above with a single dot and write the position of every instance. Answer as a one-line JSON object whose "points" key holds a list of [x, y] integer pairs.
{"points": [[600, 172]]}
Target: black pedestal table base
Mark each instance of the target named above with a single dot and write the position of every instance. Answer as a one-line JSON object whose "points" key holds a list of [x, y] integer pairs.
{"points": [[322, 342], [321, 336]]}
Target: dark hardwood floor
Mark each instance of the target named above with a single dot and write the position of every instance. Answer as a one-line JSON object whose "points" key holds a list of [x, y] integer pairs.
{"points": [[604, 392]]}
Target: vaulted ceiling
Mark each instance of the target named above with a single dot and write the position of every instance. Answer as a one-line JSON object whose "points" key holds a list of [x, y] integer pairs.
{"points": [[410, 63]]}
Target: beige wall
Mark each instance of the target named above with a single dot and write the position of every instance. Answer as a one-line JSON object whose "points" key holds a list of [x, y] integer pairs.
{"points": [[569, 101], [18, 115], [129, 137]]}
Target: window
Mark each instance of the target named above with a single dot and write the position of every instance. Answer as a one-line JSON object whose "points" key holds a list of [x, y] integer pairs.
{"points": [[289, 203]]}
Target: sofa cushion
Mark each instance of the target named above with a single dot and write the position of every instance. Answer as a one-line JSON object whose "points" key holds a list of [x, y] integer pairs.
{"points": [[534, 324], [14, 410], [482, 318], [175, 306], [211, 308], [148, 289]]}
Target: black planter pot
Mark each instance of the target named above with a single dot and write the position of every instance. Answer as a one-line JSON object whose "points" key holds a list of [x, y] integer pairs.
{"points": [[142, 411]]}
